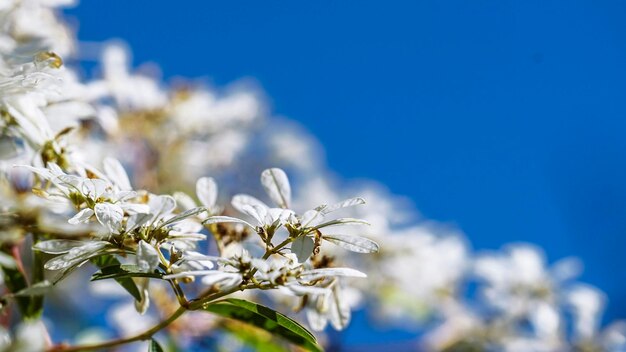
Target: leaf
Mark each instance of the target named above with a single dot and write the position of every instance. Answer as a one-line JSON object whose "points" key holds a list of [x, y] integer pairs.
{"points": [[15, 281], [57, 246], [154, 346], [109, 215], [277, 186], [255, 338], [123, 271], [303, 247], [34, 290], [206, 190], [127, 283], [356, 244], [266, 319]]}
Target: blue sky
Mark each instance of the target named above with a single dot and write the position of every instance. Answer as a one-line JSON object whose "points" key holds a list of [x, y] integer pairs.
{"points": [[505, 118]]}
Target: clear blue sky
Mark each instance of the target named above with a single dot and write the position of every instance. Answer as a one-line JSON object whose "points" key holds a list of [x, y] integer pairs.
{"points": [[506, 118]]}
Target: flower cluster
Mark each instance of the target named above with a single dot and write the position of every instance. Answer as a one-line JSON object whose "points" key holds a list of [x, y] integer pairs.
{"points": [[105, 175]]}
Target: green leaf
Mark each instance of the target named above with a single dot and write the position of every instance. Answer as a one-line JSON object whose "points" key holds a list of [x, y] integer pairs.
{"points": [[30, 305], [37, 289], [266, 319], [15, 281], [255, 338], [127, 283], [38, 282], [154, 346], [122, 271]]}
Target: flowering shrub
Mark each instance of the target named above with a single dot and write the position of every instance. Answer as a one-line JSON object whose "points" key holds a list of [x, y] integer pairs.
{"points": [[97, 200]]}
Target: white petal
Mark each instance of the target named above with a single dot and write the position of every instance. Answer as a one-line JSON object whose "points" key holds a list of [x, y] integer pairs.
{"points": [[184, 216], [353, 243], [147, 257], [316, 320], [206, 190], [109, 215], [94, 188], [83, 216], [58, 246], [258, 213], [69, 181], [344, 204], [312, 217], [116, 173], [240, 200], [342, 221], [137, 220], [280, 215], [189, 273], [184, 201], [225, 279], [302, 290], [303, 247], [135, 208], [43, 172], [324, 272], [123, 196], [222, 219], [339, 311], [161, 205], [76, 255], [276, 185]]}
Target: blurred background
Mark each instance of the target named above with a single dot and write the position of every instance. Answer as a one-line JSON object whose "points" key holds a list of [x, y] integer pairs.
{"points": [[503, 118]]}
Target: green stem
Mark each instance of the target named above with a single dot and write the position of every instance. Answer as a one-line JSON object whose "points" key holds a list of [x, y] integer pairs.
{"points": [[185, 305], [278, 247], [36, 303], [143, 336], [178, 291], [192, 305], [269, 253]]}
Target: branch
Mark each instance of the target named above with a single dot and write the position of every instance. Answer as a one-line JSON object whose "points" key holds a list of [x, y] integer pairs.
{"points": [[143, 336]]}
